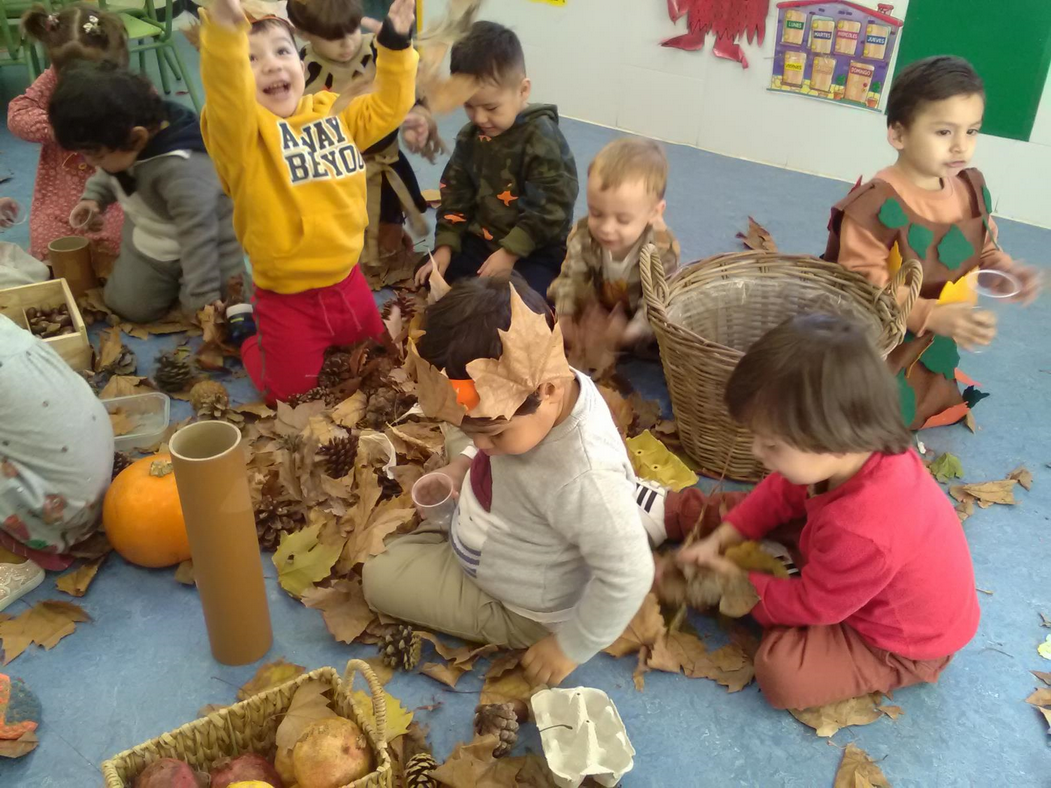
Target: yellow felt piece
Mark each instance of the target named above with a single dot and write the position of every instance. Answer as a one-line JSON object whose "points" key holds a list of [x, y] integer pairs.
{"points": [[958, 292], [894, 260], [654, 461]]}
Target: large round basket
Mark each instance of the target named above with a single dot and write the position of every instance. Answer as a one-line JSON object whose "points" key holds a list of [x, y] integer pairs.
{"points": [[251, 726], [711, 312]]}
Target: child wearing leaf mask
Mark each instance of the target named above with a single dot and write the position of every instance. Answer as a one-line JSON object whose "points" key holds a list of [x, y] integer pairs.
{"points": [[886, 594], [547, 548]]}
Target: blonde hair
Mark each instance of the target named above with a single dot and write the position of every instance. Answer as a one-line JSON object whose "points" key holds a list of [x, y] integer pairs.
{"points": [[78, 32], [632, 159]]}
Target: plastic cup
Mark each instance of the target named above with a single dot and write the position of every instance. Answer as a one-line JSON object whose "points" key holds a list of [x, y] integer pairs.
{"points": [[80, 225], [433, 496], [994, 289], [20, 216]]}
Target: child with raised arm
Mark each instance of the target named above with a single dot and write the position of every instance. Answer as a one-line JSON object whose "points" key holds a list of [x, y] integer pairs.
{"points": [[509, 188], [886, 595], [930, 206], [547, 548], [297, 179]]}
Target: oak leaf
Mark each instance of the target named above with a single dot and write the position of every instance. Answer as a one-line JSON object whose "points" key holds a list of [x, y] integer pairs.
{"points": [[343, 607], [45, 624], [76, 583], [828, 719], [269, 675], [532, 354], [302, 561], [858, 770]]}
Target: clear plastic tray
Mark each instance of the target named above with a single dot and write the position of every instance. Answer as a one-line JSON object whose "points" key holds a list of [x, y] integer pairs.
{"points": [[149, 413]]}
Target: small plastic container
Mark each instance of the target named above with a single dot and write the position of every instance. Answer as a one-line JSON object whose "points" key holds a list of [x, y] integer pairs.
{"points": [[434, 499], [151, 413]]}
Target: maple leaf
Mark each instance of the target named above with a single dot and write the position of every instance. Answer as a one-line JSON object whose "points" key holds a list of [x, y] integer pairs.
{"points": [[321, 429], [461, 660], [398, 717], [446, 674], [986, 493], [676, 651], [309, 704], [109, 348], [302, 561], [506, 682], [946, 467], [828, 719], [269, 675], [343, 607], [532, 354], [367, 540], [121, 422], [738, 596], [417, 440], [76, 583], [1023, 476], [436, 395], [858, 770], [124, 386], [45, 624], [644, 629], [260, 409], [473, 766]]}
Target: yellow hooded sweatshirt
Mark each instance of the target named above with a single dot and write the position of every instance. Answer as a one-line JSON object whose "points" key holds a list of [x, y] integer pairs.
{"points": [[297, 183]]}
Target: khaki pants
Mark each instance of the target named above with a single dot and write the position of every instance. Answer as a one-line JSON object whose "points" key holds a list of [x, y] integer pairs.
{"points": [[419, 580]]}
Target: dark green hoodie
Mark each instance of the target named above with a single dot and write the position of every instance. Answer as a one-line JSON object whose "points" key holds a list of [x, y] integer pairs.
{"points": [[515, 191]]}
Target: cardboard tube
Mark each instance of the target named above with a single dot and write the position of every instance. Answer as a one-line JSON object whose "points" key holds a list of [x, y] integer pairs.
{"points": [[70, 259], [210, 473]]}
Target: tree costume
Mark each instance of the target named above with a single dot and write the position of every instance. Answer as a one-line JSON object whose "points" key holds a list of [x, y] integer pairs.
{"points": [[925, 363]]}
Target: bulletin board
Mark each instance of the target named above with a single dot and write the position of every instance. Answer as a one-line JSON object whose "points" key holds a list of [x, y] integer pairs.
{"points": [[1008, 43]]}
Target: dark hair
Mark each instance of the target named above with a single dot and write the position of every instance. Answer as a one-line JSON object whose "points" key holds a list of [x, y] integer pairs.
{"points": [[489, 52], [931, 79], [465, 324], [327, 19], [268, 22], [78, 32], [96, 105], [817, 383]]}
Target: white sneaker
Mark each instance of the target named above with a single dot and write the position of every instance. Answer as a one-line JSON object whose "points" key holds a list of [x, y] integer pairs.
{"points": [[17, 580], [650, 498]]}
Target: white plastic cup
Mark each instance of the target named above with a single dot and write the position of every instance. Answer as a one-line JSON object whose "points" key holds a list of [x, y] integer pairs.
{"points": [[994, 289], [433, 496]]}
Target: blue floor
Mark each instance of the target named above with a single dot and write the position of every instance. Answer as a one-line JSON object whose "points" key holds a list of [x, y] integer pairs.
{"points": [[143, 666]]}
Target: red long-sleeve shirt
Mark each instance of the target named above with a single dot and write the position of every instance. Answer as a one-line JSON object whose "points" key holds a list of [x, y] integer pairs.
{"points": [[884, 552]]}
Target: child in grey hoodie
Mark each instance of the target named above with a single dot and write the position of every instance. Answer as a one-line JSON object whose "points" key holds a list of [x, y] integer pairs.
{"points": [[178, 242]]}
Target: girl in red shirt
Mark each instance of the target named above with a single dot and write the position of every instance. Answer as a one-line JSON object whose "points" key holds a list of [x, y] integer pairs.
{"points": [[886, 593]]}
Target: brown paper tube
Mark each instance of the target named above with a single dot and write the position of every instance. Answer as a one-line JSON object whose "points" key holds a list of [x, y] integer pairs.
{"points": [[70, 259], [210, 473]]}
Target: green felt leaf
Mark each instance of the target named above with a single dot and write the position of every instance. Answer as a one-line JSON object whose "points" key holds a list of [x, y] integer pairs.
{"points": [[954, 248], [942, 357], [920, 239], [892, 215], [972, 396], [946, 467], [907, 398], [988, 199]]}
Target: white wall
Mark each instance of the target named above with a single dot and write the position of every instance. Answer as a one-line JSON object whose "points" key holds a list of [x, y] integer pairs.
{"points": [[600, 61]]}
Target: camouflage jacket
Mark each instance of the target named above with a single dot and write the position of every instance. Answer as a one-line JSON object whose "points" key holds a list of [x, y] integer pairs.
{"points": [[588, 271], [515, 191]]}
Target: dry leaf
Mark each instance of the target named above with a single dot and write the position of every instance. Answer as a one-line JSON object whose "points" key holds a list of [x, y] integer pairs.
{"points": [[986, 493], [505, 681], [730, 666], [417, 440], [1023, 476], [349, 412], [983, 591], [443, 95], [124, 386], [121, 422], [619, 408], [386, 518], [95, 546], [383, 671], [677, 651], [343, 607], [462, 656], [638, 676], [757, 237], [892, 711], [270, 675], [826, 720], [445, 674], [1047, 717], [858, 770], [436, 395], [473, 766], [309, 704], [1040, 697], [184, 574], [965, 508], [1045, 621], [532, 354], [76, 583], [398, 717], [644, 630], [109, 348], [1044, 677], [302, 561], [647, 413], [16, 748], [738, 596], [210, 708], [260, 409], [45, 624], [970, 421]]}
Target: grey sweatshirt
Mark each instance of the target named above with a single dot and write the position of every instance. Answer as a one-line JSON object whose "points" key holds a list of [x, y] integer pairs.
{"points": [[178, 210], [555, 534]]}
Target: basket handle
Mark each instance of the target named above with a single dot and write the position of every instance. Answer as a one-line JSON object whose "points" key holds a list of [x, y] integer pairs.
{"points": [[909, 275], [654, 282], [379, 702]]}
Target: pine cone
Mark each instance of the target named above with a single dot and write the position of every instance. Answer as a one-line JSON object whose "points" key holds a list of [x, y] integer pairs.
{"points": [[121, 460], [335, 370], [173, 374], [316, 394], [338, 455], [272, 519], [208, 394], [418, 771], [400, 647], [377, 373], [498, 718], [380, 408], [405, 301]]}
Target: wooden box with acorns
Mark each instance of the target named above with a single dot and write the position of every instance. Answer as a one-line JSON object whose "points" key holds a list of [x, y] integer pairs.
{"points": [[49, 311]]}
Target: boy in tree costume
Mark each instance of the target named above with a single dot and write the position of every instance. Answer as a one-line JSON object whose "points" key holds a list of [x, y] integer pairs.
{"points": [[930, 207]]}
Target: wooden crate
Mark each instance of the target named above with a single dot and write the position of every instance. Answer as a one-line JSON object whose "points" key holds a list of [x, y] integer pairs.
{"points": [[74, 348]]}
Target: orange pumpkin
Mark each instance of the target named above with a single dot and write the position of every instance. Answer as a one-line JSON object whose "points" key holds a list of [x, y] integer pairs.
{"points": [[142, 515]]}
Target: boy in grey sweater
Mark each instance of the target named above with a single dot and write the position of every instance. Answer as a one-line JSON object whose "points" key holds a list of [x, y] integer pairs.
{"points": [[547, 548], [178, 241]]}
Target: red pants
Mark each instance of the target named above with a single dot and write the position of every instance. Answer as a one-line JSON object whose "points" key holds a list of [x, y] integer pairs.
{"points": [[802, 667], [294, 330]]}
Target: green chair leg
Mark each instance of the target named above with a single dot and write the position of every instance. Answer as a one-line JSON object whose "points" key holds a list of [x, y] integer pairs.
{"points": [[190, 88], [142, 62]]}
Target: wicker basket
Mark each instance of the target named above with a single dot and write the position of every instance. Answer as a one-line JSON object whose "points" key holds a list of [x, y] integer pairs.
{"points": [[711, 312], [251, 726]]}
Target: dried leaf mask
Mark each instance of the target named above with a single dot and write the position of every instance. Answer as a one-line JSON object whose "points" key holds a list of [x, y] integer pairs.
{"points": [[496, 388]]}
